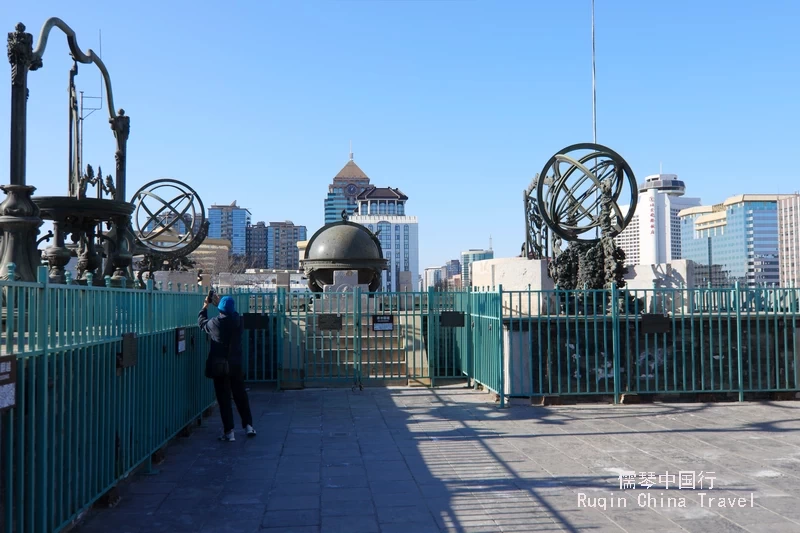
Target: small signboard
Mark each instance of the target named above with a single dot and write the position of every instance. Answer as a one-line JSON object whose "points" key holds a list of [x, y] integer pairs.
{"points": [[451, 319], [655, 323], [8, 382], [329, 322], [255, 321], [130, 354], [382, 322], [180, 339]]}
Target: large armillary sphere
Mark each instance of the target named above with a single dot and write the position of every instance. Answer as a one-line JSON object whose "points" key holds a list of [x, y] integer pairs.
{"points": [[569, 191], [169, 219]]}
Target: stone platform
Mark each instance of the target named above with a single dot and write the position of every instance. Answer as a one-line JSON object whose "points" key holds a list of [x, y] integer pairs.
{"points": [[449, 460]]}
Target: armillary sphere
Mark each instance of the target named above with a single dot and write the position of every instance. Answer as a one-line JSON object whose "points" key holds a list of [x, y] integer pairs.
{"points": [[168, 216], [569, 191]]}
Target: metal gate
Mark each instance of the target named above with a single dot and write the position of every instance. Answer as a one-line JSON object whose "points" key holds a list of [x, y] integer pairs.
{"points": [[355, 338]]}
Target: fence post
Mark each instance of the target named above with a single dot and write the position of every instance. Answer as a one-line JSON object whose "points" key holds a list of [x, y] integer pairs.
{"points": [[44, 493], [151, 308], [615, 344], [501, 345], [739, 341], [357, 336], [278, 332], [470, 323], [431, 348]]}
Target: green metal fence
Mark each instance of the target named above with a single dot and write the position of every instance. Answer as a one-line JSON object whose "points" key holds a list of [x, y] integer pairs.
{"points": [[659, 340], [86, 415]]}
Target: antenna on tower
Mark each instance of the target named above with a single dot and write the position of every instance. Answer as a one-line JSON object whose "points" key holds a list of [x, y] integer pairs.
{"points": [[351, 150], [490, 242]]}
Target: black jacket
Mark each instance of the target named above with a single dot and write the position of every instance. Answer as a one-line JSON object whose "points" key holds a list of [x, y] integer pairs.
{"points": [[223, 329]]}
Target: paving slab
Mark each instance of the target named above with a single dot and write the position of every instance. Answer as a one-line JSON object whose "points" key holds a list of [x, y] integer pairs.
{"points": [[449, 459]]}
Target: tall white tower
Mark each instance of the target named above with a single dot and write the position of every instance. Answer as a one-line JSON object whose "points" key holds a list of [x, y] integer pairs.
{"points": [[654, 233]]}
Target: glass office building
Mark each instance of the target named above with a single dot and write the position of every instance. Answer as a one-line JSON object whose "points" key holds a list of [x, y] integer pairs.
{"points": [[736, 241], [469, 257], [229, 222]]}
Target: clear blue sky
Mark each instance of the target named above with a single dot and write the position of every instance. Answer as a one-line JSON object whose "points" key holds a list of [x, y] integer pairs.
{"points": [[457, 103]]}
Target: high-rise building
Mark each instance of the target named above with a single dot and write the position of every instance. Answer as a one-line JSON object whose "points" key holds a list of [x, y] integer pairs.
{"points": [[469, 257], [435, 277], [453, 267], [382, 210], [654, 233], [789, 240], [282, 239], [347, 185], [736, 240], [257, 245], [230, 222]]}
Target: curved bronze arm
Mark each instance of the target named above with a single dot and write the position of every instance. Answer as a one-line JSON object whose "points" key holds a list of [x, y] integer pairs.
{"points": [[77, 54]]}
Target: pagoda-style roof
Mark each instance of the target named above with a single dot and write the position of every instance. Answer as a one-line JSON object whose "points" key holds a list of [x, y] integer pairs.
{"points": [[351, 171], [382, 193]]}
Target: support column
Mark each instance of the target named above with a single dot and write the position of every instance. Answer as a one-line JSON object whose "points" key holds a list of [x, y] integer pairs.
{"points": [[19, 216]]}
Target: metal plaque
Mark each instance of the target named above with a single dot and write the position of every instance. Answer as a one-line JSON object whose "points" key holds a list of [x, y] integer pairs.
{"points": [[130, 351], [8, 382], [451, 319], [180, 340], [382, 322], [329, 322], [255, 320], [654, 323]]}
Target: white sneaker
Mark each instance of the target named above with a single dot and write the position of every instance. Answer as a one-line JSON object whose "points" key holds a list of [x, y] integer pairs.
{"points": [[251, 432], [227, 437]]}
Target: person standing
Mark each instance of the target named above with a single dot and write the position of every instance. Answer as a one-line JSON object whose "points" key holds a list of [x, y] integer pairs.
{"points": [[224, 363]]}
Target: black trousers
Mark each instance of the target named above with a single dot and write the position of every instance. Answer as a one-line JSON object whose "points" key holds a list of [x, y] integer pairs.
{"points": [[224, 387]]}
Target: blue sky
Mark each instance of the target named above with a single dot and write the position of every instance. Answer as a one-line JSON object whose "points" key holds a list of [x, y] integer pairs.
{"points": [[457, 103]]}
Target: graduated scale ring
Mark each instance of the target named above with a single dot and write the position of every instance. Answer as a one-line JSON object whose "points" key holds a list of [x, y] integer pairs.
{"points": [[569, 200]]}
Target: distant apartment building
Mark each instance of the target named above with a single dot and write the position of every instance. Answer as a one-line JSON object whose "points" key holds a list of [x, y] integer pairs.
{"points": [[435, 277], [256, 249], [654, 233], [789, 240], [347, 185], [454, 283], [282, 239], [212, 256], [230, 222], [469, 257], [383, 211], [735, 241]]}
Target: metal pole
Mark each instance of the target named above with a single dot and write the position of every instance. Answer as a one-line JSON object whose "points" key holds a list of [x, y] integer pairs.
{"points": [[594, 87], [594, 117]]}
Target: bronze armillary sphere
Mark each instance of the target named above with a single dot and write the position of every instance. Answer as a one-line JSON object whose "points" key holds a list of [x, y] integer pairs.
{"points": [[569, 191]]}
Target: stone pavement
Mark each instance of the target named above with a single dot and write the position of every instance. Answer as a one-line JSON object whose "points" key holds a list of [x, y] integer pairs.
{"points": [[419, 461]]}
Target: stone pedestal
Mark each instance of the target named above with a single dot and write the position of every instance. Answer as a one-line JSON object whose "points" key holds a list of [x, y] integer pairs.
{"points": [[338, 297]]}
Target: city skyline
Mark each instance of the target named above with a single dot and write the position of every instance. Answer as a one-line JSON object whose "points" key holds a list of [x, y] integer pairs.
{"points": [[452, 101]]}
